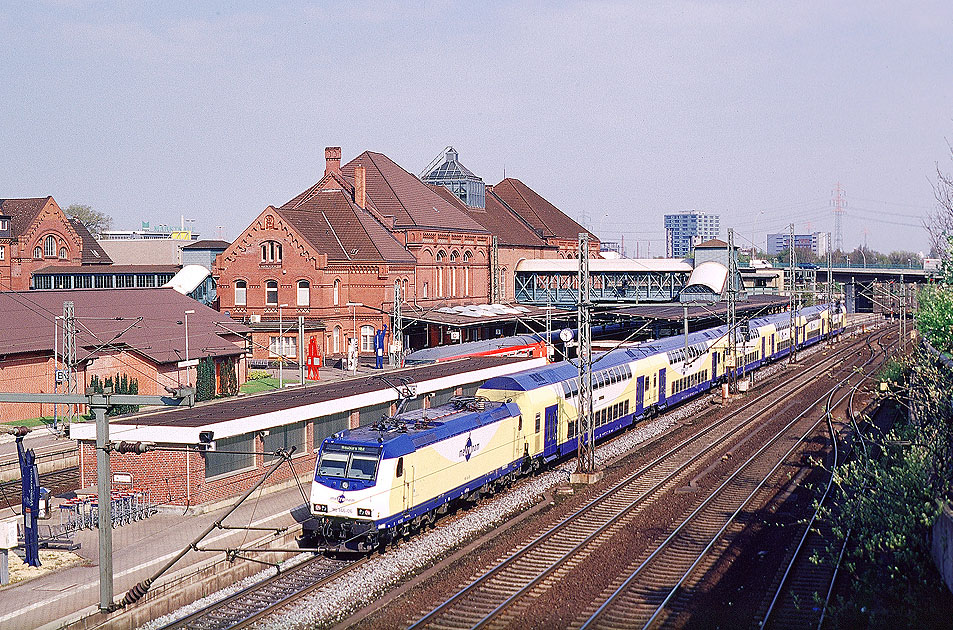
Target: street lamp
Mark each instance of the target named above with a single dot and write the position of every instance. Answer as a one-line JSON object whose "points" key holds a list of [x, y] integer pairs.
{"points": [[353, 306], [187, 313], [281, 347], [865, 258]]}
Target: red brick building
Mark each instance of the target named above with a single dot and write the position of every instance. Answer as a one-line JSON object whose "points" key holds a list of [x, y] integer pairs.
{"points": [[35, 233], [348, 240], [139, 333]]}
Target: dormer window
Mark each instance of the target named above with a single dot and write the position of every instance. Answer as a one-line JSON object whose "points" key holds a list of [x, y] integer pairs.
{"points": [[271, 252]]}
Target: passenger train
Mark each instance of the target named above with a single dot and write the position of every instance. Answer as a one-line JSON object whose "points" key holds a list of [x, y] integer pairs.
{"points": [[379, 482]]}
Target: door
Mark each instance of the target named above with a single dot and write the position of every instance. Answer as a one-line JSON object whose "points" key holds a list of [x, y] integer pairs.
{"points": [[408, 487], [550, 432], [661, 387], [772, 345], [763, 344], [640, 396], [714, 367]]}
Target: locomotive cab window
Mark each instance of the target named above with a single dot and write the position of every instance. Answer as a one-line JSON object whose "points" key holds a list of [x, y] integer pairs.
{"points": [[351, 462], [400, 466]]}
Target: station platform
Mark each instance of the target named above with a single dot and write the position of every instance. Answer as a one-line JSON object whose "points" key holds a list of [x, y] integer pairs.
{"points": [[140, 549]]}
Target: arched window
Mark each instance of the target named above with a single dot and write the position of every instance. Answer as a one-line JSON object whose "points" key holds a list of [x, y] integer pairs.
{"points": [[337, 292], [367, 339], [63, 253], [304, 293], [441, 258], [454, 260], [241, 288], [467, 258], [271, 252], [336, 340], [37, 252], [49, 246], [271, 293]]}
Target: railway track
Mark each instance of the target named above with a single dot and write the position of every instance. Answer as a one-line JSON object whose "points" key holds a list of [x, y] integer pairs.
{"points": [[500, 596], [801, 594], [658, 589], [245, 607], [57, 481]]}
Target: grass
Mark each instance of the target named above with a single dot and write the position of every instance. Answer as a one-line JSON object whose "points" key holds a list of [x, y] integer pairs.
{"points": [[30, 422], [264, 385]]}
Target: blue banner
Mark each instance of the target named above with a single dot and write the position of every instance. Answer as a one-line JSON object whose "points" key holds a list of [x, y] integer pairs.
{"points": [[30, 480]]}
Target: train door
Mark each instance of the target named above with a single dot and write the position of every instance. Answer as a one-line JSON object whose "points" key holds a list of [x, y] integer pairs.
{"points": [[661, 387], [551, 432], [763, 344], [408, 485], [639, 395], [772, 344], [714, 367]]}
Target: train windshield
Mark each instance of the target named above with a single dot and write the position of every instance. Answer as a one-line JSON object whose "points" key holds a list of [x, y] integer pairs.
{"points": [[349, 461]]}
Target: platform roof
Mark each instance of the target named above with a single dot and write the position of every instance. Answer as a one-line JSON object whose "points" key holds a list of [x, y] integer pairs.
{"points": [[755, 305], [603, 265]]}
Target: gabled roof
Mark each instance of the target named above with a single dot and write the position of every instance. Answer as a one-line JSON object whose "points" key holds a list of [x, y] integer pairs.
{"points": [[22, 212], [106, 314], [335, 226], [395, 192], [714, 243], [536, 211], [498, 219], [208, 244], [93, 253]]}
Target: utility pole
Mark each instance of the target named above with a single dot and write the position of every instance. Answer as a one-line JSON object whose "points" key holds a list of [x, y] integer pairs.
{"points": [[830, 289], [69, 360], [792, 332], [398, 331], [586, 450], [100, 404], [301, 350], [495, 272], [732, 313], [839, 203]]}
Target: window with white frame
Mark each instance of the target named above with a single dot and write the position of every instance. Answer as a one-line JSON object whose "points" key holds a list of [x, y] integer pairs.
{"points": [[367, 338], [271, 293], [336, 340], [3, 252], [37, 252], [49, 246], [304, 293], [337, 292], [426, 290], [63, 253], [241, 292], [283, 347]]}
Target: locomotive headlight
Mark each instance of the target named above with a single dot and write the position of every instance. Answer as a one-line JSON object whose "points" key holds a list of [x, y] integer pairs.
{"points": [[363, 512], [319, 507]]}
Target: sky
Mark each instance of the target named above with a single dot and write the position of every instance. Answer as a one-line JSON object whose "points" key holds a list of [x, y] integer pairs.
{"points": [[617, 112]]}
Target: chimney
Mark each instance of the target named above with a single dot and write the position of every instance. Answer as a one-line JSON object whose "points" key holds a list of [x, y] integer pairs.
{"points": [[360, 186], [332, 158]]}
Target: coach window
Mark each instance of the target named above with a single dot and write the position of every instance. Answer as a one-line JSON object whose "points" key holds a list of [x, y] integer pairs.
{"points": [[400, 466], [537, 421], [241, 287], [271, 293], [304, 293]]}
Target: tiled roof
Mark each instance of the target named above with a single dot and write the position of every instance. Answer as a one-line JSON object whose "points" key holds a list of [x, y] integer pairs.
{"points": [[335, 226], [22, 212], [395, 192], [714, 243], [498, 219], [538, 212], [104, 314], [93, 253], [109, 269]]}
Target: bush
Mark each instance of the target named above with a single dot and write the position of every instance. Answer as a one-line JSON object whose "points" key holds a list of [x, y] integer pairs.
{"points": [[257, 375], [935, 316]]}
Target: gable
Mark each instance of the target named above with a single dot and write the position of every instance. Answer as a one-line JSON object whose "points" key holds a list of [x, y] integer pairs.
{"points": [[270, 226]]}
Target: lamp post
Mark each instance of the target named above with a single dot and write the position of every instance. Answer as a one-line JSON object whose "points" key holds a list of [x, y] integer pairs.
{"points": [[281, 347], [353, 306]]}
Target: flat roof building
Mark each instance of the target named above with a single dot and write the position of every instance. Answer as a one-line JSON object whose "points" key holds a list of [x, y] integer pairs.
{"points": [[689, 228]]}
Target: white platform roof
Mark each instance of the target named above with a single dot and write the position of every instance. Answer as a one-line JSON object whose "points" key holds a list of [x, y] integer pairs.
{"points": [[602, 265], [709, 274], [188, 279]]}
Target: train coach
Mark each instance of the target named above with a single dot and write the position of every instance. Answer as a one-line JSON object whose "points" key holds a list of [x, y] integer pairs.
{"points": [[376, 483]]}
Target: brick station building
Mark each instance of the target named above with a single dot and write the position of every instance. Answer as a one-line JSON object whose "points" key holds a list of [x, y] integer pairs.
{"points": [[335, 253]]}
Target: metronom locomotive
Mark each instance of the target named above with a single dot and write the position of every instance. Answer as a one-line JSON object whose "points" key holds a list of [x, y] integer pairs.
{"points": [[376, 483]]}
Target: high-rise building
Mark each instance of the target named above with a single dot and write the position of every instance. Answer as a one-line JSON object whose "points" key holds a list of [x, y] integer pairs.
{"points": [[689, 228], [817, 242]]}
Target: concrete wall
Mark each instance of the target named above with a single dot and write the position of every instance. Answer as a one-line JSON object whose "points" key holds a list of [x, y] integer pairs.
{"points": [[942, 547], [145, 251]]}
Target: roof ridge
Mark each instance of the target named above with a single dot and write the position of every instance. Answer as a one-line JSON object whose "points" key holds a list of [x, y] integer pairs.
{"points": [[334, 233], [400, 201]]}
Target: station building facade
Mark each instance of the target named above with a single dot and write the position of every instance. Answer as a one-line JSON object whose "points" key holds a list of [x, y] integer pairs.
{"points": [[337, 253]]}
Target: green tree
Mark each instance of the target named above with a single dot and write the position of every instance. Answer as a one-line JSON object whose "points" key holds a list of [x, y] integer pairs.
{"points": [[205, 379], [96, 222]]}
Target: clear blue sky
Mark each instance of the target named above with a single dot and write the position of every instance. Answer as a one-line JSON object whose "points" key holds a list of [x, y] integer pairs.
{"points": [[617, 111]]}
